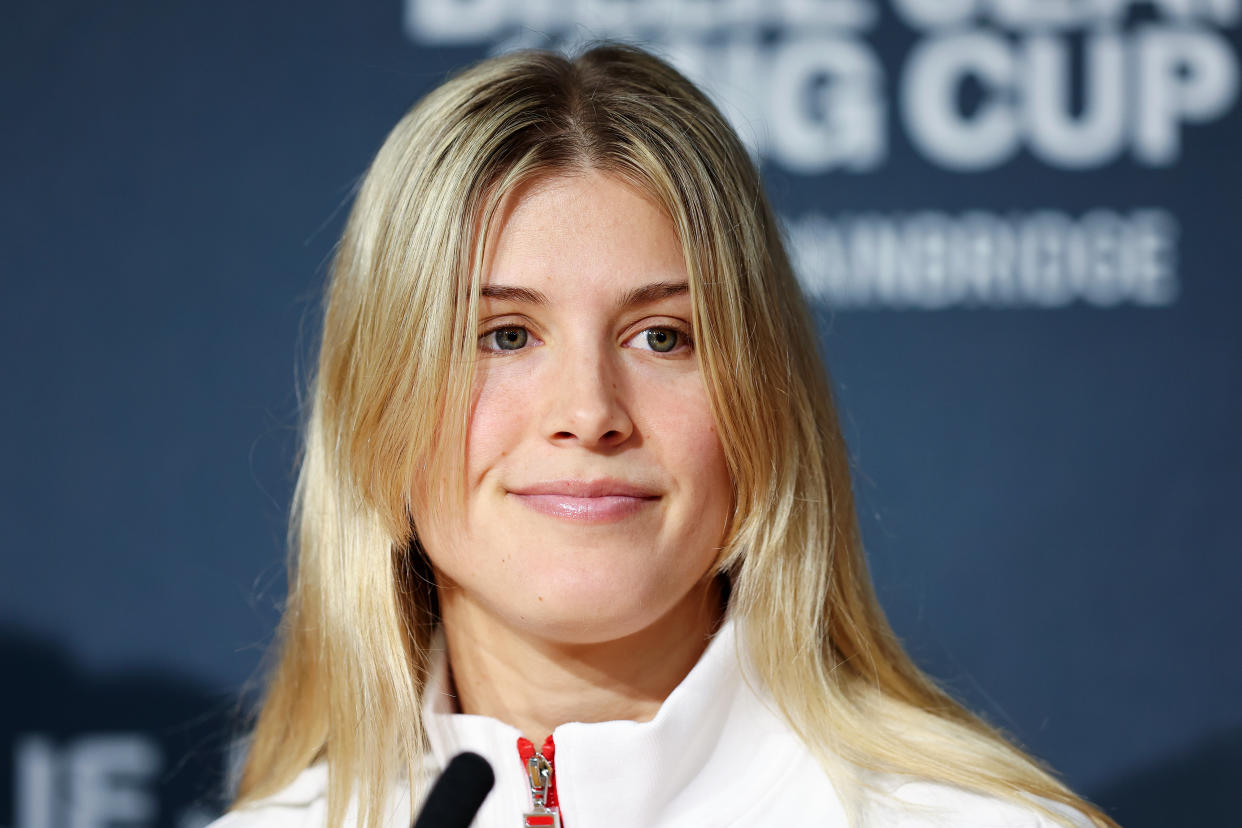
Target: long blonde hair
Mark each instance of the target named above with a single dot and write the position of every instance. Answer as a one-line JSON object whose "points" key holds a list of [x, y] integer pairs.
{"points": [[389, 403]]}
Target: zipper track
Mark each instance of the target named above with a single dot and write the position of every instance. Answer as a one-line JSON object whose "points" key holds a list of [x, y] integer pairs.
{"points": [[540, 771]]}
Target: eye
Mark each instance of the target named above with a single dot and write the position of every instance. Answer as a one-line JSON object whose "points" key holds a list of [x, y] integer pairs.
{"points": [[508, 338], [663, 340]]}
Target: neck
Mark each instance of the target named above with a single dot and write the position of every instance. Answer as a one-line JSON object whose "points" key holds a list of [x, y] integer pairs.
{"points": [[536, 685]]}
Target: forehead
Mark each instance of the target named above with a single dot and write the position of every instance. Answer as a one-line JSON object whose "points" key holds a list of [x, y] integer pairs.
{"points": [[579, 230]]}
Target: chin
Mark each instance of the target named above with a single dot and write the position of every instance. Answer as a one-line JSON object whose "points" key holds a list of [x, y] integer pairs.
{"points": [[584, 595], [588, 616]]}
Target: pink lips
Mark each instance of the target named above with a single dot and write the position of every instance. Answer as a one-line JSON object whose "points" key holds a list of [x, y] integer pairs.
{"points": [[593, 501]]}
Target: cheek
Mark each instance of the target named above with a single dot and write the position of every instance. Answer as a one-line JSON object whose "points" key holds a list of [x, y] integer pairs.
{"points": [[497, 419], [680, 422], [492, 431]]}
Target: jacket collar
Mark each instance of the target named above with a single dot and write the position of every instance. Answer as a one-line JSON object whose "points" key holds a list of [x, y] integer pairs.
{"points": [[716, 752]]}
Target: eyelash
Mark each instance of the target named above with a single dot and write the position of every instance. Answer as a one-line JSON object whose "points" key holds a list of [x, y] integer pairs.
{"points": [[684, 341]]}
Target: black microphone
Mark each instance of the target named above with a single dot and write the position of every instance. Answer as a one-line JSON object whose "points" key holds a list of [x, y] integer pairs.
{"points": [[458, 793]]}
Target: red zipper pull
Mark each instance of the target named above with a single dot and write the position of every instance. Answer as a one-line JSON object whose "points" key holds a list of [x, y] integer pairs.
{"points": [[540, 773]]}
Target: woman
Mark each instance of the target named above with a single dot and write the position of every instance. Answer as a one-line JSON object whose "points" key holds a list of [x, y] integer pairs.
{"points": [[572, 471]]}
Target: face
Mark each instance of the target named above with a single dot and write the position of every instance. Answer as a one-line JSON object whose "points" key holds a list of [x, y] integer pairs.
{"points": [[597, 489]]}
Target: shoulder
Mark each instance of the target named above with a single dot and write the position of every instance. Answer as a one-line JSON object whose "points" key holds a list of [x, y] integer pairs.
{"points": [[300, 804], [906, 803]]}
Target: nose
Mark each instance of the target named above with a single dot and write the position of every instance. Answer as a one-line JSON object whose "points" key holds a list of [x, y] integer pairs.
{"points": [[586, 404]]}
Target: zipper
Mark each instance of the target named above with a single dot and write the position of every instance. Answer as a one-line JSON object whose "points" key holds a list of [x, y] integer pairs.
{"points": [[545, 809]]}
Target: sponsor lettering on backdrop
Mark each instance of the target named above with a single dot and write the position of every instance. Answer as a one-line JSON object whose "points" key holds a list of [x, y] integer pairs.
{"points": [[96, 780], [974, 85]]}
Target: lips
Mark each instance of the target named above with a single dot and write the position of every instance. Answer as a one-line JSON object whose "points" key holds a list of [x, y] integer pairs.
{"points": [[586, 501]]}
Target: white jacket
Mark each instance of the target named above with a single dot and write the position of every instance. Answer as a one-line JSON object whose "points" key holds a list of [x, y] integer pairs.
{"points": [[716, 754]]}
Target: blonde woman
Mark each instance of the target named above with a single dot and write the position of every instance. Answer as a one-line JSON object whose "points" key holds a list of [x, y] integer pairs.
{"points": [[573, 497]]}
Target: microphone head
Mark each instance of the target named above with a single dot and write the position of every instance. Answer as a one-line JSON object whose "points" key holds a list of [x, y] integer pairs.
{"points": [[458, 793]]}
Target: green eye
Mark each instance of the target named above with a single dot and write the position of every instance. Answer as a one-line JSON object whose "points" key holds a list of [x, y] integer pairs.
{"points": [[662, 340], [510, 339]]}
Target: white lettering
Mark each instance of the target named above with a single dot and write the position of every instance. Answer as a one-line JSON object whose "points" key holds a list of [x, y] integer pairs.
{"points": [[454, 21], [34, 791], [1096, 136], [108, 777], [1033, 15], [1151, 264], [827, 106], [933, 78], [1185, 75], [1137, 96], [603, 17], [970, 97], [934, 260], [829, 14], [935, 14], [465, 21]]}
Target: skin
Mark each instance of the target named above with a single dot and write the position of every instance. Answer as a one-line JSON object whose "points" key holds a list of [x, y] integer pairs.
{"points": [[550, 619]]}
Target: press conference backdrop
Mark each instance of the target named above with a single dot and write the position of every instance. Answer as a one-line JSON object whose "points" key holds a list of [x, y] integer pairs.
{"points": [[1019, 222]]}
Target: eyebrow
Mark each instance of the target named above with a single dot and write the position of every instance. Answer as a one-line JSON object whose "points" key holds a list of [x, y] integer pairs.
{"points": [[638, 296]]}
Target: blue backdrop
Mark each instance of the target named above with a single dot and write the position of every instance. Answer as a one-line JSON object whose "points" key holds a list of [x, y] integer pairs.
{"points": [[1020, 223]]}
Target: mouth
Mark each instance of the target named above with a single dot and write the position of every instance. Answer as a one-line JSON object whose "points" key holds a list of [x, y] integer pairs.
{"points": [[595, 501]]}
